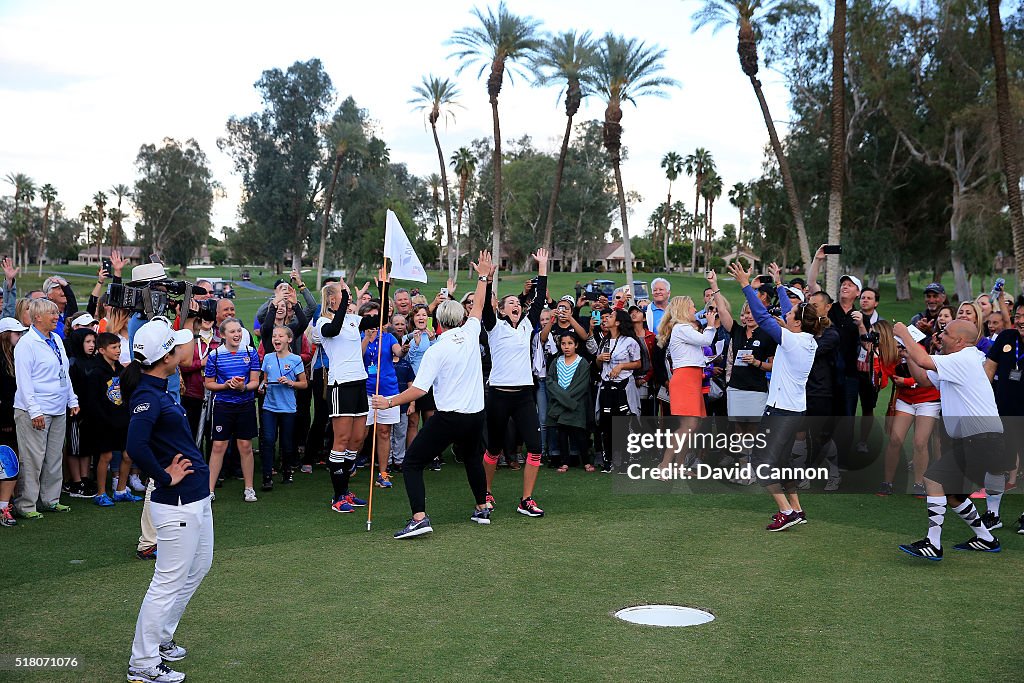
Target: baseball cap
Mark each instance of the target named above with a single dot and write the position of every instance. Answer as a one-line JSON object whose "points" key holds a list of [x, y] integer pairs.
{"points": [[568, 298], [50, 283], [148, 272], [794, 291], [11, 325], [280, 281], [854, 279], [935, 287], [155, 339], [84, 320], [633, 307]]}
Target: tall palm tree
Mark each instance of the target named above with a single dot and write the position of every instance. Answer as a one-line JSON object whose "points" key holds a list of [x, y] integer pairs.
{"points": [[99, 200], [24, 193], [749, 16], [711, 191], [464, 164], [434, 182], [697, 165], [564, 58], [739, 196], [88, 218], [121, 192], [673, 165], [438, 97], [625, 69], [1007, 138], [48, 194], [498, 41], [837, 143], [344, 136]]}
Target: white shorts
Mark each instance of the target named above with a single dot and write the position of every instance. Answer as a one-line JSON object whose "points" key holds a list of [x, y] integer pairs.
{"points": [[926, 409], [388, 416]]}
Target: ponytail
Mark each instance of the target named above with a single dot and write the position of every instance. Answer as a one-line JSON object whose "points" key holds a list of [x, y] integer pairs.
{"points": [[130, 377]]}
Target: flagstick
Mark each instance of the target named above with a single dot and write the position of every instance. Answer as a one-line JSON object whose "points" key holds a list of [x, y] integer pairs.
{"points": [[373, 446]]}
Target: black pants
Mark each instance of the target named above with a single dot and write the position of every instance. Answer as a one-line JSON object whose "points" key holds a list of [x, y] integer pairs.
{"points": [[320, 429], [614, 402], [303, 400], [460, 430], [193, 411], [519, 405]]}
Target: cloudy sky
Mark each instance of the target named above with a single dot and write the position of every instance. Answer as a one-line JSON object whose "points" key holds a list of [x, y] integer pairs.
{"points": [[83, 85]]}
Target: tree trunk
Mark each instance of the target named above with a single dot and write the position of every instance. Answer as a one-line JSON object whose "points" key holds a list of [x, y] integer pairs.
{"points": [[696, 225], [562, 154], [837, 145], [496, 217], [627, 251], [902, 276], [327, 217], [463, 179], [787, 177], [452, 270], [42, 238], [963, 283], [1007, 139], [664, 226]]}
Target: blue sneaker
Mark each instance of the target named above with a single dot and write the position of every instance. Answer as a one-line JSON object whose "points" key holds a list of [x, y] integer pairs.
{"points": [[126, 496], [103, 500], [481, 516], [342, 505], [923, 549], [351, 499], [383, 481], [414, 528], [980, 545]]}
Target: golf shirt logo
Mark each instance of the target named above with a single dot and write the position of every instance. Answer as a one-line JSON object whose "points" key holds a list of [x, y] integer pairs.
{"points": [[141, 408]]}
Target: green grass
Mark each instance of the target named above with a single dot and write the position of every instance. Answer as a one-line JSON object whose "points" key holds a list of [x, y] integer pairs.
{"points": [[298, 592]]}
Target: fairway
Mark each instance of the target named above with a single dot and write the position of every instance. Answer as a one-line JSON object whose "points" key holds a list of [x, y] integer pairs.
{"points": [[299, 593]]}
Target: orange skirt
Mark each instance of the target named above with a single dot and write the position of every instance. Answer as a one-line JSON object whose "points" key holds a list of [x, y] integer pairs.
{"points": [[684, 392]]}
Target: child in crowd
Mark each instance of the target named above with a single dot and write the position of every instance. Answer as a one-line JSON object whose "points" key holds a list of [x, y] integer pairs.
{"points": [[81, 356], [283, 373], [569, 404], [107, 419]]}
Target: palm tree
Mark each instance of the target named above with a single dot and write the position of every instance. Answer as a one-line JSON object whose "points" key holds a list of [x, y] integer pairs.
{"points": [[567, 58], [24, 191], [345, 137], [434, 181], [121, 192], [500, 39], [697, 165], [48, 194], [438, 97], [739, 196], [711, 191], [625, 70], [673, 165], [88, 218], [99, 200], [464, 164], [837, 143], [749, 16], [1007, 138]]}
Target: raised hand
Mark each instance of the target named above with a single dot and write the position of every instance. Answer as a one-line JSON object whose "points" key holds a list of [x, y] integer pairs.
{"points": [[775, 272], [820, 254], [117, 262], [484, 267], [742, 276], [712, 278], [10, 272], [451, 287], [296, 276], [541, 257]]}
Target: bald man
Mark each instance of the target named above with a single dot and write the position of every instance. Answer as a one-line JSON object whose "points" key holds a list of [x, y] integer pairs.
{"points": [[972, 442]]}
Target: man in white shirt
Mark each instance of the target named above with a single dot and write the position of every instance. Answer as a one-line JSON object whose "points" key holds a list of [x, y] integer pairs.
{"points": [[973, 441], [452, 367]]}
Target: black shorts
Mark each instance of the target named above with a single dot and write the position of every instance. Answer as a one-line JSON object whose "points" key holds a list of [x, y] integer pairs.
{"points": [[426, 402], [348, 399], [234, 421], [964, 462]]}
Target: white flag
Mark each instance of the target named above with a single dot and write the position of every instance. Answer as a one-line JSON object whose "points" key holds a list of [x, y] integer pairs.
{"points": [[405, 264]]}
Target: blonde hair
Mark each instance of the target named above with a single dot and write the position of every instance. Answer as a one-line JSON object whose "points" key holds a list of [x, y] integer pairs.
{"points": [[678, 311], [979, 318]]}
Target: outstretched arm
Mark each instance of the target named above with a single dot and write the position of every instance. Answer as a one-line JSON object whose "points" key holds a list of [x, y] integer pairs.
{"points": [[481, 297]]}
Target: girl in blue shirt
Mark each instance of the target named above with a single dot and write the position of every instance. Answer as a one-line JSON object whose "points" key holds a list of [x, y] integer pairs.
{"points": [[283, 373]]}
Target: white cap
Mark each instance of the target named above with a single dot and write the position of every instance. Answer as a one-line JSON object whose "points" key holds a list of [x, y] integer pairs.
{"points": [[793, 291], [84, 320], [155, 339], [148, 272], [11, 325], [854, 279]]}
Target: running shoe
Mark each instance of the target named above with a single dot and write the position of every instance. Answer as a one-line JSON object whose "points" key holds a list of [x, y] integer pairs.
{"points": [[7, 518], [923, 549], [77, 490], [66, 488], [268, 483], [306, 469], [89, 487], [249, 495], [482, 516], [436, 465], [172, 652], [146, 553], [514, 464], [802, 515], [414, 528], [991, 521], [161, 673], [35, 514], [126, 496], [781, 522], [135, 483], [383, 481], [489, 500], [57, 507], [288, 476], [351, 499], [885, 489], [1020, 525], [918, 491], [103, 500], [342, 505], [980, 494], [832, 484], [980, 545], [529, 507]]}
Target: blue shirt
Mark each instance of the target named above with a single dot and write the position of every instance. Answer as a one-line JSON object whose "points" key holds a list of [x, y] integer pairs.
{"points": [[416, 351], [158, 430], [222, 365], [388, 379], [281, 398]]}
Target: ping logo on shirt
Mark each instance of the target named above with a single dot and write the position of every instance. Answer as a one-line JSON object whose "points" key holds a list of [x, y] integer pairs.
{"points": [[141, 408]]}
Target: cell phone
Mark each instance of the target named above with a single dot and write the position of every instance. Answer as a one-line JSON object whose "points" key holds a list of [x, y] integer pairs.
{"points": [[444, 292], [590, 296], [108, 267], [833, 249], [596, 316]]}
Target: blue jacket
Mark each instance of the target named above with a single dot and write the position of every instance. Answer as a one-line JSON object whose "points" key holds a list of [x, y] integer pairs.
{"points": [[158, 430]]}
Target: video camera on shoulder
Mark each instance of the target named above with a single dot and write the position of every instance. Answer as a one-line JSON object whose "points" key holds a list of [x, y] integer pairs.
{"points": [[150, 292]]}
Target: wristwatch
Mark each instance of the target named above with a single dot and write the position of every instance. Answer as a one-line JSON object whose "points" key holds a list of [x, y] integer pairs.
{"points": [[389, 402], [483, 278]]}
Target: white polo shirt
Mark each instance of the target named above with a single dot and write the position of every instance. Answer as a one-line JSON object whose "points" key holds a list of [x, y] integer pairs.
{"points": [[967, 399], [511, 365], [793, 360], [452, 367], [344, 351]]}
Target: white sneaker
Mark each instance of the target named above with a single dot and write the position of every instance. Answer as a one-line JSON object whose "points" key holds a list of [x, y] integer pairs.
{"points": [[136, 484], [172, 652], [161, 673], [250, 495], [113, 484]]}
